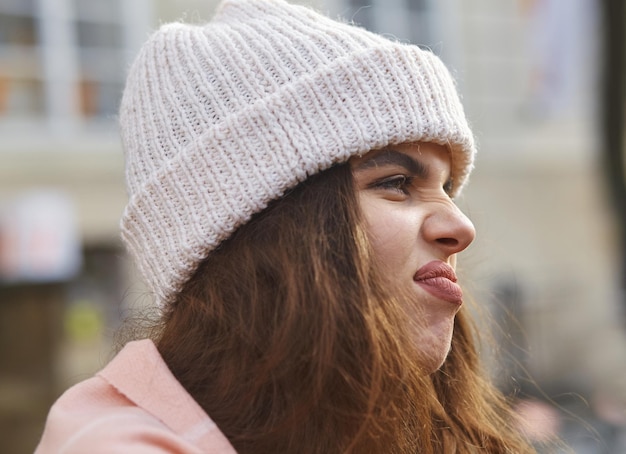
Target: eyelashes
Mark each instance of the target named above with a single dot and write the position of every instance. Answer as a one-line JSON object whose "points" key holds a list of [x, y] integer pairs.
{"points": [[397, 183], [401, 184]]}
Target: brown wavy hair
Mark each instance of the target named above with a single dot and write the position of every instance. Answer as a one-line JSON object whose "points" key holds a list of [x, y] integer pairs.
{"points": [[289, 338]]}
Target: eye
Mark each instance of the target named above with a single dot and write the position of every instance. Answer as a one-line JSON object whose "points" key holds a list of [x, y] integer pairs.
{"points": [[396, 183], [447, 187]]}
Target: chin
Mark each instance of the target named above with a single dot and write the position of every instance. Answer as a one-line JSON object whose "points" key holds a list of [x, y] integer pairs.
{"points": [[434, 348], [434, 363]]}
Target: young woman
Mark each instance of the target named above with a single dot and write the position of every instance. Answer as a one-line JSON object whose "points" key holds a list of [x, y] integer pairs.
{"points": [[291, 183]]}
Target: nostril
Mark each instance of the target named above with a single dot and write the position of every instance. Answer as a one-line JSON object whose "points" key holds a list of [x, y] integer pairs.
{"points": [[448, 241]]}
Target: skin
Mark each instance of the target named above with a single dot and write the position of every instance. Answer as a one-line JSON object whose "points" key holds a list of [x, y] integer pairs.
{"points": [[411, 221]]}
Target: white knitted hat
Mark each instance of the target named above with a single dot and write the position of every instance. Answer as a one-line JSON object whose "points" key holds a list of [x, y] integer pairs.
{"points": [[218, 120]]}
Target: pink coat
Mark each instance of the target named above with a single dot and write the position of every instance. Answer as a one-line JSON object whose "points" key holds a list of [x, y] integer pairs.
{"points": [[133, 405]]}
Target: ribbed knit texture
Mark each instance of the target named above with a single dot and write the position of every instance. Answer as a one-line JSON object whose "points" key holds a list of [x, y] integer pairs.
{"points": [[218, 120]]}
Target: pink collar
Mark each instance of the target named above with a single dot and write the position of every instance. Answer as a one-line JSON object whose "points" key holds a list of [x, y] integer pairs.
{"points": [[140, 374]]}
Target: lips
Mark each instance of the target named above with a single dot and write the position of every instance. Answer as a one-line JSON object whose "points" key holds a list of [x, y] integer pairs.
{"points": [[439, 279]]}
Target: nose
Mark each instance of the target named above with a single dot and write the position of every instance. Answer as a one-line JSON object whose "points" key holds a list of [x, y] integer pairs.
{"points": [[448, 229]]}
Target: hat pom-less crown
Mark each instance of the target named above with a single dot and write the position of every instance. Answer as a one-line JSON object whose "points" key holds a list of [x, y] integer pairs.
{"points": [[218, 120]]}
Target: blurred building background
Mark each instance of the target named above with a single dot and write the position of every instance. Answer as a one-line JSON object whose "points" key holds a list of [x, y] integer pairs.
{"points": [[547, 264]]}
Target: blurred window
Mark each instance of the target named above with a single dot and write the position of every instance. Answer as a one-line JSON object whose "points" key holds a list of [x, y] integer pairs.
{"points": [[98, 10], [406, 20], [21, 88], [63, 62], [94, 34], [17, 6], [418, 5]]}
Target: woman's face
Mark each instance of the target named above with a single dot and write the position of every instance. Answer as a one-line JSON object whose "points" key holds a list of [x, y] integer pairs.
{"points": [[416, 231]]}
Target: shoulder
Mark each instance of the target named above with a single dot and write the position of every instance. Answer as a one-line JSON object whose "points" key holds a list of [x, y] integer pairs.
{"points": [[133, 405], [93, 417]]}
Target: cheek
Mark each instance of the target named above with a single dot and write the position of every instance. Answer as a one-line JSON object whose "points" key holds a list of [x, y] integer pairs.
{"points": [[393, 233]]}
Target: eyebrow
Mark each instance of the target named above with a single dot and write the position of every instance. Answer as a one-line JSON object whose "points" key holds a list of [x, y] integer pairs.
{"points": [[394, 157]]}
